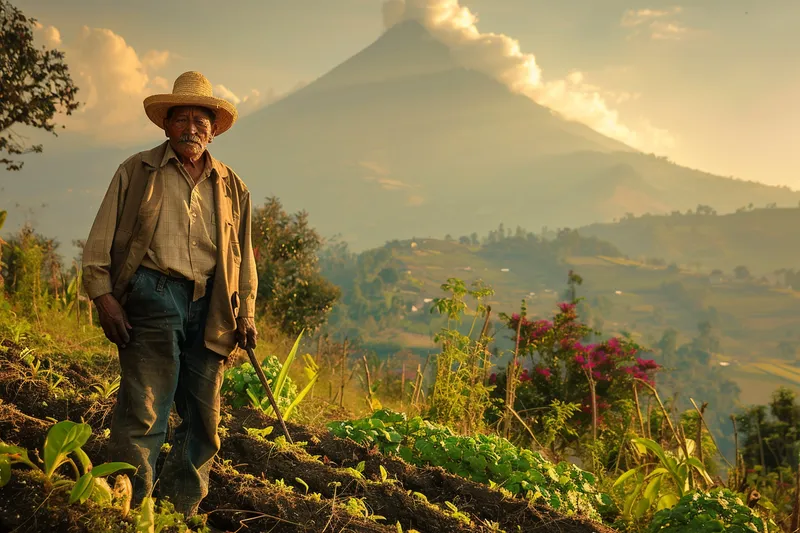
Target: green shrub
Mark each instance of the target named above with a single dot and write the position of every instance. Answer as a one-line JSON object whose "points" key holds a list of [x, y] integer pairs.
{"points": [[241, 385], [704, 512], [488, 459]]}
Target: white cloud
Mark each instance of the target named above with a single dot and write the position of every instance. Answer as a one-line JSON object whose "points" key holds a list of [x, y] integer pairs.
{"points": [[500, 56], [155, 59], [658, 24], [636, 17], [252, 100], [113, 79]]}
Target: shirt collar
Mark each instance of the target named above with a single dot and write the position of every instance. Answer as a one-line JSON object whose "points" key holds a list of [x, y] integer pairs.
{"points": [[149, 158], [169, 154]]}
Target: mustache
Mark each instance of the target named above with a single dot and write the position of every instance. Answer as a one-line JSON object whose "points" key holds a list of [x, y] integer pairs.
{"points": [[189, 138]]}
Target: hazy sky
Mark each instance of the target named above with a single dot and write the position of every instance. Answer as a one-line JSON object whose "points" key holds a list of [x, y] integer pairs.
{"points": [[715, 84]]}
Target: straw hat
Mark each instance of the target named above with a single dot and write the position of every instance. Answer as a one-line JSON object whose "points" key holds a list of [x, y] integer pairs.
{"points": [[191, 88]]}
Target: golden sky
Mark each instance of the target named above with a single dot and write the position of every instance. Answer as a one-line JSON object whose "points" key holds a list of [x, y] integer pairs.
{"points": [[713, 84]]}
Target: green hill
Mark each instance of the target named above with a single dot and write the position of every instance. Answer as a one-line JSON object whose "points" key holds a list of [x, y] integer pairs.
{"points": [[763, 240], [388, 293]]}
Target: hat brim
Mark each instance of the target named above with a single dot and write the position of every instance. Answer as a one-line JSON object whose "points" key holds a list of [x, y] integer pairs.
{"points": [[157, 105]]}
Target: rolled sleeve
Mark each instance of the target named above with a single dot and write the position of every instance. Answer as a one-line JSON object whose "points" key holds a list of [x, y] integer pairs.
{"points": [[97, 250], [248, 277]]}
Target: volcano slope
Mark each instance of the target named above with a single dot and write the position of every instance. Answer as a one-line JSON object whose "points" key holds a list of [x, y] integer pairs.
{"points": [[259, 482]]}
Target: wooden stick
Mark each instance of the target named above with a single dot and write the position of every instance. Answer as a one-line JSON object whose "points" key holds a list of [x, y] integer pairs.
{"points": [[511, 376], [342, 368], [402, 386], [417, 385], [369, 381]]}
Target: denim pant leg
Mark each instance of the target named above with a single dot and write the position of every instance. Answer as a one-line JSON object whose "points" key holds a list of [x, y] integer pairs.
{"points": [[184, 478], [149, 377]]}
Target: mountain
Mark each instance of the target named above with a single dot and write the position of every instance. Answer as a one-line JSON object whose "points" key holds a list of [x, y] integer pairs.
{"points": [[763, 240], [401, 140]]}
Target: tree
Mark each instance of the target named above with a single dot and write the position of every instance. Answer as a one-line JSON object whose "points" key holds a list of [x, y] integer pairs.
{"points": [[292, 292], [741, 272], [34, 85]]}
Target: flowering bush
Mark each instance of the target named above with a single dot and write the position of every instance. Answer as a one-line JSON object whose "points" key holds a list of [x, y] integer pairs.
{"points": [[562, 366]]}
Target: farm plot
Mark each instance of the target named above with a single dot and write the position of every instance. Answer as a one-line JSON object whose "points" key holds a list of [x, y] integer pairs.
{"points": [[258, 483]]}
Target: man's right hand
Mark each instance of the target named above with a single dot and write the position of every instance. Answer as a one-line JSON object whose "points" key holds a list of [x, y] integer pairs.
{"points": [[113, 319]]}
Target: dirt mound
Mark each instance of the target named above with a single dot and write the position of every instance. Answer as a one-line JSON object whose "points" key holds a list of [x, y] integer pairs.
{"points": [[437, 485], [322, 483], [26, 506]]}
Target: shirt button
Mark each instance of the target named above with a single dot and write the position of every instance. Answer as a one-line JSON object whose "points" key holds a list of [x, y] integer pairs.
{"points": [[194, 243]]}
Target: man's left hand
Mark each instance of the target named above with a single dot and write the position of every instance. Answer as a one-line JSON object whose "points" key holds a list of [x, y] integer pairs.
{"points": [[246, 333]]}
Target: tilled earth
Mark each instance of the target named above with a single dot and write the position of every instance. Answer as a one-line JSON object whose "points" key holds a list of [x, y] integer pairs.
{"points": [[257, 483]]}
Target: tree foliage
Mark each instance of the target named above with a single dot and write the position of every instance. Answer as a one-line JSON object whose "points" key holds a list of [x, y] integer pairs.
{"points": [[291, 289], [34, 85]]}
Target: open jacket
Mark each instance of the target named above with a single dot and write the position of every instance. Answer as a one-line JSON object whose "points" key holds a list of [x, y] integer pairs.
{"points": [[115, 247]]}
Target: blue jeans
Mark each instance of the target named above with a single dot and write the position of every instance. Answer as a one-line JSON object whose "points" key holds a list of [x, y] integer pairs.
{"points": [[165, 362]]}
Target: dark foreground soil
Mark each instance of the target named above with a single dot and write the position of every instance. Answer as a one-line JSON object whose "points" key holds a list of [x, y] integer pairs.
{"points": [[481, 502], [256, 484]]}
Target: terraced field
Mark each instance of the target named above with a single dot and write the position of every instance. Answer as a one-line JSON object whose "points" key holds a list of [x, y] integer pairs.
{"points": [[258, 482]]}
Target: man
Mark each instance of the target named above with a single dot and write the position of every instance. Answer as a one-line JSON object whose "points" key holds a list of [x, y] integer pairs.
{"points": [[169, 265]]}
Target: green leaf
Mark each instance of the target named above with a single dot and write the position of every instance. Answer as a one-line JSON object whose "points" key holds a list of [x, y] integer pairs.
{"points": [[652, 489], [82, 489], [281, 379], [83, 459], [62, 439], [641, 508], [146, 520], [701, 469], [302, 483], [5, 470], [299, 398], [384, 473], [667, 501], [625, 476], [658, 471], [107, 469]]}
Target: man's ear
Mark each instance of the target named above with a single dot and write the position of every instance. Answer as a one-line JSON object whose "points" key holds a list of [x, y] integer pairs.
{"points": [[213, 132]]}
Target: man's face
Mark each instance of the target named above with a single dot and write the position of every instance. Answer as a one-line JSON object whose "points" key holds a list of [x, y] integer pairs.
{"points": [[190, 130]]}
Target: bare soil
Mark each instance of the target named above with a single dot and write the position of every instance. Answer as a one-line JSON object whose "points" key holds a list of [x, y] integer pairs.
{"points": [[256, 484]]}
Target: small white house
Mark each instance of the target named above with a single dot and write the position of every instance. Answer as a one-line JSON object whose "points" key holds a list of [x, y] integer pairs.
{"points": [[618, 293], [504, 270]]}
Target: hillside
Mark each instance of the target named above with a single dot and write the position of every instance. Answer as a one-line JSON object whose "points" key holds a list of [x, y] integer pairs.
{"points": [[754, 322], [320, 483], [764, 240]]}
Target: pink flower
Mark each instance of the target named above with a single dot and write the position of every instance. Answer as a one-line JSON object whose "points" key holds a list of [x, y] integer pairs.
{"points": [[580, 359], [544, 372], [493, 378], [646, 364], [566, 307]]}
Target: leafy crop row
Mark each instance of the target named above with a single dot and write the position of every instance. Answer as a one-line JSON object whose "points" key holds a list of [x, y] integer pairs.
{"points": [[486, 459]]}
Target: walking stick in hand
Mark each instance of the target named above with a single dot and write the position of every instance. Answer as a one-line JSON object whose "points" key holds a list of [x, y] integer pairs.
{"points": [[272, 401]]}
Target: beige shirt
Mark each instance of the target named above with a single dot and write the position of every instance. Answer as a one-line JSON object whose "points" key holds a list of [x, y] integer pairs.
{"points": [[125, 224], [185, 241]]}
